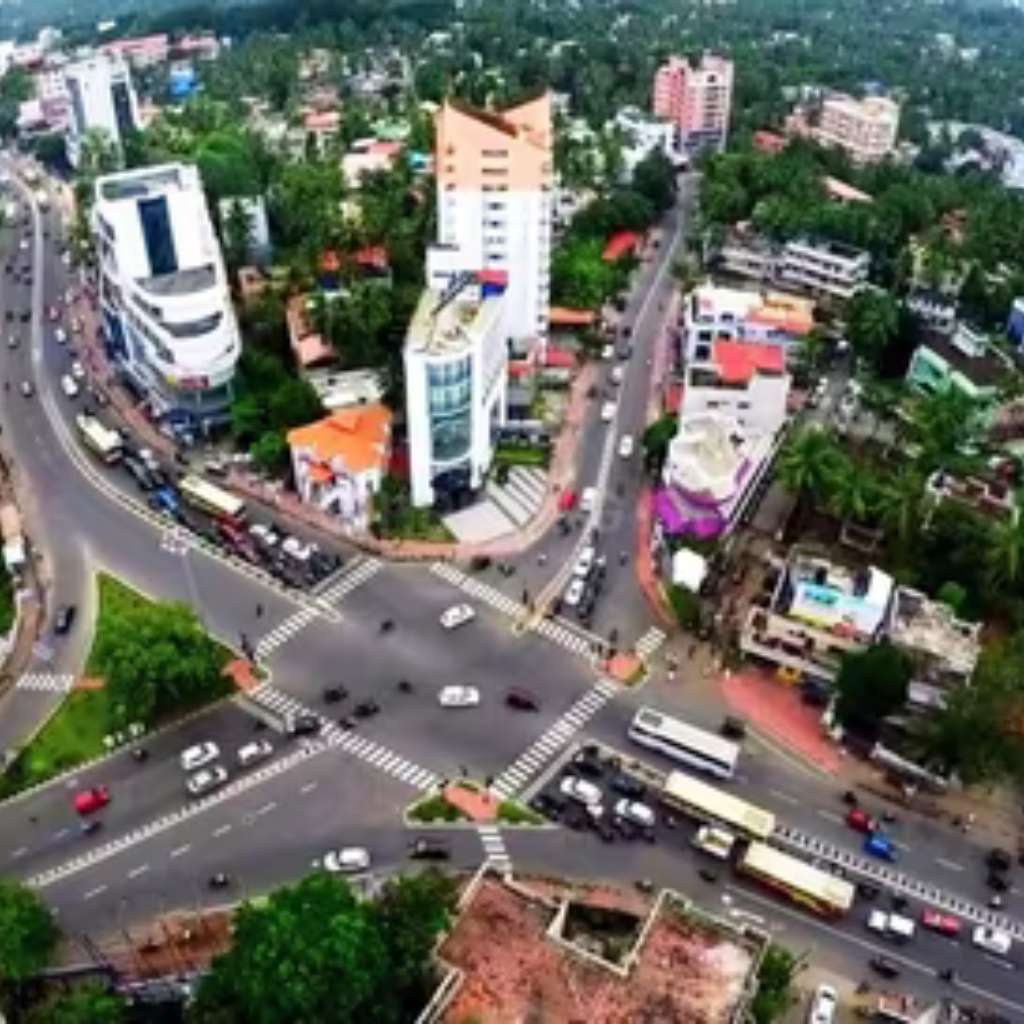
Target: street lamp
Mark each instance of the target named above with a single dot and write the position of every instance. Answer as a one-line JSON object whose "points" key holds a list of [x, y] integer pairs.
{"points": [[176, 542]]}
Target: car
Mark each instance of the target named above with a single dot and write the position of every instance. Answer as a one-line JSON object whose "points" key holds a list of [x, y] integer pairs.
{"points": [[588, 499], [992, 940], [199, 755], [76, 325], [257, 750], [346, 861], [885, 967], [60, 335], [608, 352], [334, 694], [618, 372], [567, 500], [68, 386], [626, 447], [92, 799], [26, 316], [585, 562], [881, 846], [265, 536], [459, 697], [77, 370], [860, 821], [733, 728], [640, 814], [53, 313], [13, 341], [303, 724], [608, 412], [580, 790], [997, 881], [27, 389], [206, 779], [823, 1005], [522, 700], [64, 619], [587, 761], [366, 709], [998, 860], [457, 615], [574, 593], [628, 786], [430, 849], [944, 924]]}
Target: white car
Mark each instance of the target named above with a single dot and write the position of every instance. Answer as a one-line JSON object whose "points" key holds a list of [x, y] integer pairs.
{"points": [[199, 755], [207, 779], [265, 535], [607, 412], [77, 370], [252, 752], [823, 1005], [457, 615], [459, 697], [68, 386], [992, 940], [60, 335], [618, 372], [13, 341], [584, 563], [636, 812], [347, 861], [608, 352], [574, 593], [588, 499], [626, 447], [23, 244], [580, 790]]}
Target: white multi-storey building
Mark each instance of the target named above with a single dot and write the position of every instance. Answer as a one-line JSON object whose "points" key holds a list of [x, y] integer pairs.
{"points": [[164, 297], [455, 386], [101, 96], [824, 267], [866, 129]]}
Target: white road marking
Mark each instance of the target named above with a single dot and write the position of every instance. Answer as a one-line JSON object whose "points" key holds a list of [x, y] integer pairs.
{"points": [[92, 893], [308, 787], [952, 865], [222, 831], [19, 852], [61, 834], [784, 797], [140, 870], [178, 851], [266, 808], [829, 816]]}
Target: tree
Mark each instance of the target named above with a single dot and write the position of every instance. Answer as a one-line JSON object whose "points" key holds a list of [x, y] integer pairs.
{"points": [[97, 154], [871, 685], [776, 985], [900, 504], [655, 179], [872, 321], [16, 86], [656, 440], [944, 424], [580, 279], [854, 492], [807, 466], [685, 606], [86, 1004], [28, 933], [238, 235], [156, 658], [316, 953], [1004, 559]]}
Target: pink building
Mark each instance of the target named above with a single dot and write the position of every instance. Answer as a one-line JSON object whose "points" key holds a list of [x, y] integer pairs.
{"points": [[697, 100]]}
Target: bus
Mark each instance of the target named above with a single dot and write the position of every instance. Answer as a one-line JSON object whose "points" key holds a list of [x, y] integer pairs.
{"points": [[213, 500], [803, 883], [695, 747], [714, 806], [104, 441]]}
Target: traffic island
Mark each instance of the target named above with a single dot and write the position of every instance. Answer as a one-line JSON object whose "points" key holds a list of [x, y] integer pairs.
{"points": [[626, 667], [468, 802]]}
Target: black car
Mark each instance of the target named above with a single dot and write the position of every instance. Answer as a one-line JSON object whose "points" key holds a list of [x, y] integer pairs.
{"points": [[628, 786], [997, 882], [548, 804], [733, 728], [522, 700], [430, 849], [334, 694], [26, 315], [885, 967], [303, 725], [867, 891], [64, 619], [587, 761], [999, 860], [366, 709]]}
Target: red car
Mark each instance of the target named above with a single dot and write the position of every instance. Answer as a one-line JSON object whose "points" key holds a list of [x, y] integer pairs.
{"points": [[90, 800], [945, 924], [861, 821], [567, 500]]}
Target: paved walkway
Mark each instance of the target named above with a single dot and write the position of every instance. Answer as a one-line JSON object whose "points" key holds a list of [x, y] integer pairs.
{"points": [[776, 711]]}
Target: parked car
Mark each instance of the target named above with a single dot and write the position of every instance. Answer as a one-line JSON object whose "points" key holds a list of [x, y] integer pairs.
{"points": [[459, 697], [636, 812], [206, 780], [347, 861], [457, 615], [628, 786], [64, 619], [68, 386], [77, 371], [608, 412], [574, 593], [585, 562], [580, 790], [92, 799], [823, 1005], [199, 755], [626, 447], [27, 389], [588, 499], [257, 750], [587, 761]]}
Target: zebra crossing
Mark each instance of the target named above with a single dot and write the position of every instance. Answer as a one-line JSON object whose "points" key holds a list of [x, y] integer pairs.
{"points": [[495, 851], [558, 632], [371, 753], [481, 591], [299, 620], [550, 742], [648, 645], [47, 682]]}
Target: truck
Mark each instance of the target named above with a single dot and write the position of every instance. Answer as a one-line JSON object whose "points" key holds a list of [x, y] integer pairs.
{"points": [[892, 926], [102, 440]]}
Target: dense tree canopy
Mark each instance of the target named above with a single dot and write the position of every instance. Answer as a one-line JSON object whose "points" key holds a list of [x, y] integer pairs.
{"points": [[28, 933], [871, 685]]}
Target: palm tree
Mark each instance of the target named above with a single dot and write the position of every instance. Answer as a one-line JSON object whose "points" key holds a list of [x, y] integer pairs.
{"points": [[873, 320], [854, 492], [900, 504], [1005, 554], [808, 465]]}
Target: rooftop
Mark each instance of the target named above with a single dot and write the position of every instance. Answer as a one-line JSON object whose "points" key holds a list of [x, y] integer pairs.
{"points": [[787, 312], [710, 456], [829, 246], [308, 347], [600, 958], [929, 627], [358, 438], [446, 322], [621, 243], [985, 370], [740, 361]]}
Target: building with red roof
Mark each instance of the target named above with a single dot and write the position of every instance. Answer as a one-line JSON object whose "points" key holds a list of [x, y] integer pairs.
{"points": [[621, 243], [769, 142]]}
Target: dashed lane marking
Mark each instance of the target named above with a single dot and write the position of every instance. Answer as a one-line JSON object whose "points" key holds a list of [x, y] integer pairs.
{"points": [[552, 740]]}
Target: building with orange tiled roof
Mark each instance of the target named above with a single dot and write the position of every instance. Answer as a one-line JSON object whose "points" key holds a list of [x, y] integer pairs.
{"points": [[340, 461]]}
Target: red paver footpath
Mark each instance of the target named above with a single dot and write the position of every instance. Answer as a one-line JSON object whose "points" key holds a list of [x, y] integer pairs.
{"points": [[645, 575], [775, 709], [475, 804]]}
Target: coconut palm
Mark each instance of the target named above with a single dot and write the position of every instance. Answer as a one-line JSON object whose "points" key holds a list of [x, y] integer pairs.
{"points": [[807, 466], [1005, 553], [872, 320], [854, 492], [900, 504]]}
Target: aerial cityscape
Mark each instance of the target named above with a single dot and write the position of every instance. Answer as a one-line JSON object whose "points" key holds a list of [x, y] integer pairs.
{"points": [[511, 512]]}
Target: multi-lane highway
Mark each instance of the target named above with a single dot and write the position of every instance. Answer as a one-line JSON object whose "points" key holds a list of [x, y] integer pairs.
{"points": [[157, 848]]}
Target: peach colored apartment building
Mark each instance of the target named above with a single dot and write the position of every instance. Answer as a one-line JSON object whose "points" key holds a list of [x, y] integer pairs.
{"points": [[697, 100], [866, 129], [494, 204]]}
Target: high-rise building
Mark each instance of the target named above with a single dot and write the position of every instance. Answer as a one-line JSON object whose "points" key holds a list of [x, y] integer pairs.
{"points": [[697, 100], [494, 198], [101, 96], [866, 129], [166, 309]]}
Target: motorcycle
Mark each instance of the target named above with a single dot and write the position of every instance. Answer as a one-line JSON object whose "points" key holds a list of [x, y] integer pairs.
{"points": [[219, 881]]}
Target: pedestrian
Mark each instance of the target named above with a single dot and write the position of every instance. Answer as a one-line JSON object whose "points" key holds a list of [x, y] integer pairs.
{"points": [[542, 558], [259, 611]]}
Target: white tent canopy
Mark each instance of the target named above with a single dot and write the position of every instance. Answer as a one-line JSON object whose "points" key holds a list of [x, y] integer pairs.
{"points": [[689, 569]]}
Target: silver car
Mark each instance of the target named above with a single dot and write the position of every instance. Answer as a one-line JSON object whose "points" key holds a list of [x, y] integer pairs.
{"points": [[207, 780]]}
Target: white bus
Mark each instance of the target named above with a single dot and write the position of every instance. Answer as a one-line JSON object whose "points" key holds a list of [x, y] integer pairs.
{"points": [[104, 441], [213, 500], [686, 743], [715, 807]]}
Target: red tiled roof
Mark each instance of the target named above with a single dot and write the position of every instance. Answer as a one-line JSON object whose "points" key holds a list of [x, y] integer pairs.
{"points": [[739, 361], [358, 438], [769, 142], [560, 316], [371, 256], [497, 277], [619, 244]]}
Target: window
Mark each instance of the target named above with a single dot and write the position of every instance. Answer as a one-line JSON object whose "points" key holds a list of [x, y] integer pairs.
{"points": [[494, 153], [495, 170], [156, 231]]}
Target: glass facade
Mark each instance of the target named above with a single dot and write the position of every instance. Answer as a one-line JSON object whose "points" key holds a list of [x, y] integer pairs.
{"points": [[156, 230], [77, 106], [122, 102], [450, 402]]}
